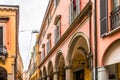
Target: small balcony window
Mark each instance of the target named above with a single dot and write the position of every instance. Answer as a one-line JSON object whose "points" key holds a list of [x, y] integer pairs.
{"points": [[115, 14], [56, 2], [3, 52]]}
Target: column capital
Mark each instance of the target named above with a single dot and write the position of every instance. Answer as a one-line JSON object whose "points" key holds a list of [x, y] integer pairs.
{"points": [[41, 78], [68, 67], [55, 72]]}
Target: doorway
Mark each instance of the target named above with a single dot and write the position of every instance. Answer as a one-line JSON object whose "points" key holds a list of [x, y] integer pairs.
{"points": [[79, 75]]}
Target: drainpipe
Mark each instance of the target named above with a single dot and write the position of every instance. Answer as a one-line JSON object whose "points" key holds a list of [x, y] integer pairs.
{"points": [[95, 40]]}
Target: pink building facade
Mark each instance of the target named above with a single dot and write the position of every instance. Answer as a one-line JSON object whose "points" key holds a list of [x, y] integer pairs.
{"points": [[79, 40], [108, 39]]}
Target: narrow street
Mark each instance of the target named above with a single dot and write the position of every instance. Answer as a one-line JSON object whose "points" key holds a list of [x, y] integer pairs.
{"points": [[60, 40]]}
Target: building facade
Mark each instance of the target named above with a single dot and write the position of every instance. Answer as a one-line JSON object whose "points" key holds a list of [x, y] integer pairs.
{"points": [[108, 37], [26, 75], [65, 39], [19, 68], [79, 40], [35, 61], [8, 41]]}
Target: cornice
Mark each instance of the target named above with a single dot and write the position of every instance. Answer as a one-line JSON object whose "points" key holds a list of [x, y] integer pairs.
{"points": [[4, 19], [8, 8]]}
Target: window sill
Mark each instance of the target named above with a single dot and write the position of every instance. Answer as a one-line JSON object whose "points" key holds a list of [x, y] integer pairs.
{"points": [[112, 31]]}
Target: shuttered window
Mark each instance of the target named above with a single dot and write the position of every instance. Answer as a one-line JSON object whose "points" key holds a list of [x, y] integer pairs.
{"points": [[70, 14], [103, 16], [57, 32], [48, 47], [74, 10], [78, 6], [43, 54], [1, 35], [56, 2]]}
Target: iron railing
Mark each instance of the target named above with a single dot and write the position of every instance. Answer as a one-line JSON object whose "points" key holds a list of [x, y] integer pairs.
{"points": [[3, 51], [115, 18]]}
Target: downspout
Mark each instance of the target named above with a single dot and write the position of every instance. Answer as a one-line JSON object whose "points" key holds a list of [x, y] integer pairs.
{"points": [[95, 40], [90, 38]]}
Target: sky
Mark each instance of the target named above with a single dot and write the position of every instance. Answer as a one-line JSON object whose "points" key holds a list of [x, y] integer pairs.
{"points": [[31, 16]]}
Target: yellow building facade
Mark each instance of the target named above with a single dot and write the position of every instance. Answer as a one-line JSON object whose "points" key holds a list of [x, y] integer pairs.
{"points": [[19, 74], [8, 41], [35, 61]]}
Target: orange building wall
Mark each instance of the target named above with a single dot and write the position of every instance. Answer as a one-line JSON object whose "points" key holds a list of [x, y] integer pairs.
{"points": [[10, 36]]}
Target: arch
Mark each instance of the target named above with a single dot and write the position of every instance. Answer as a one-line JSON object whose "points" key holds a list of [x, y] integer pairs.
{"points": [[3, 73], [57, 58], [40, 74], [79, 57], [75, 38], [44, 73], [60, 65], [111, 54], [50, 68]]}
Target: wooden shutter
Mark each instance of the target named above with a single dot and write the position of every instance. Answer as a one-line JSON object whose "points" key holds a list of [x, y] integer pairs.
{"points": [[1, 35], [58, 32], [78, 6], [42, 55], [103, 16], [70, 14], [55, 3], [48, 46], [55, 35]]}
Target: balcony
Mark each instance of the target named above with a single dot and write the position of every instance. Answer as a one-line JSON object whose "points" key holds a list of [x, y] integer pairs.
{"points": [[3, 52], [115, 18]]}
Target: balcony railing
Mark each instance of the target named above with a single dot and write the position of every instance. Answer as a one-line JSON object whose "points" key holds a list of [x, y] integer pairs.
{"points": [[115, 18], [3, 51]]}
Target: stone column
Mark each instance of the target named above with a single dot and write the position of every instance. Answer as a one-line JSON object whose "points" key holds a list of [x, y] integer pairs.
{"points": [[102, 74], [9, 76], [55, 77], [48, 77], [69, 75], [13, 72]]}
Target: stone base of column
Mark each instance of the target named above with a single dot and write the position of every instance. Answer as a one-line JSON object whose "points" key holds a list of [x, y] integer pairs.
{"points": [[102, 73], [9, 76]]}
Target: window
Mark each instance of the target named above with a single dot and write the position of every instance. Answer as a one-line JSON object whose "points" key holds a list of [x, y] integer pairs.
{"points": [[3, 50], [43, 52], [57, 30], [115, 3], [48, 42], [115, 13], [1, 36], [74, 10], [56, 2], [114, 16], [48, 20], [103, 16]]}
